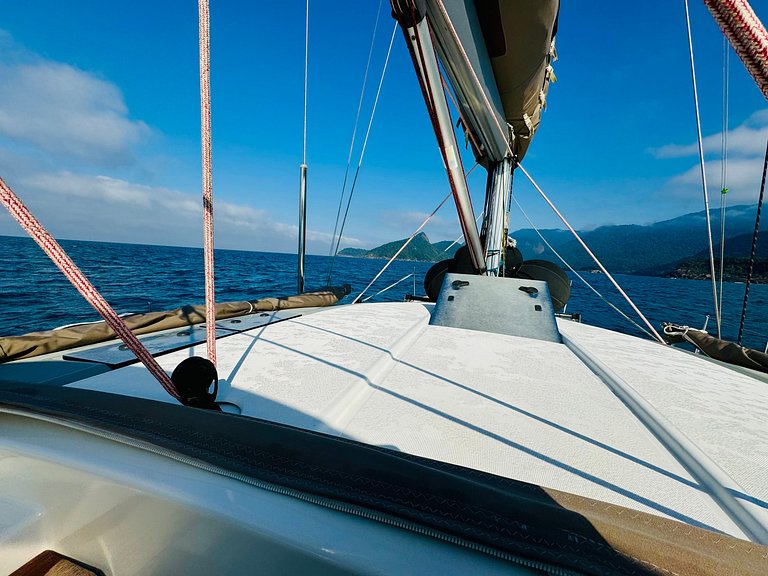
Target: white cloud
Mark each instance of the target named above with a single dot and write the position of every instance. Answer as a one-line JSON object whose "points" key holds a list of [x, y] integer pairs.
{"points": [[59, 125], [67, 112], [114, 209], [745, 140]]}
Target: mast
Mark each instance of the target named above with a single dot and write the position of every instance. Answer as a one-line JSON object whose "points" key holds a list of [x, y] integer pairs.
{"points": [[418, 36], [495, 223]]}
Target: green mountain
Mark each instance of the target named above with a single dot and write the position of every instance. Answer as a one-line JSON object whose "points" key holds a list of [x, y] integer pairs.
{"points": [[419, 249], [446, 248], [655, 249], [735, 264], [634, 249]]}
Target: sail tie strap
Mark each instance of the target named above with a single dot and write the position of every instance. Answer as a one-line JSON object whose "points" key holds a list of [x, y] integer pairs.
{"points": [[746, 34], [58, 256], [205, 136]]}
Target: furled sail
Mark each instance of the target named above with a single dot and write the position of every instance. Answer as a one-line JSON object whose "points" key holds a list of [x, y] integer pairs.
{"points": [[498, 56]]}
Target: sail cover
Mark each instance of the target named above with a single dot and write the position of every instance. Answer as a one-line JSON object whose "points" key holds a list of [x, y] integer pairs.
{"points": [[498, 57]]}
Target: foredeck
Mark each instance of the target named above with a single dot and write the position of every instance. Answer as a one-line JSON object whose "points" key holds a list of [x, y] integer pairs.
{"points": [[520, 408]]}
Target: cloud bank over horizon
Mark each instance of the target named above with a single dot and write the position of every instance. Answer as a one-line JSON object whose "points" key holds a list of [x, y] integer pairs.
{"points": [[71, 150]]}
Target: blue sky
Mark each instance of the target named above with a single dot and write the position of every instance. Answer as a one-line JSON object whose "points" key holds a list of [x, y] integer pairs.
{"points": [[99, 121]]}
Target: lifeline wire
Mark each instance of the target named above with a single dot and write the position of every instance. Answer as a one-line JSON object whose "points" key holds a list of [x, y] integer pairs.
{"points": [[703, 171], [403, 247], [354, 134], [536, 186], [205, 136], [59, 257]]}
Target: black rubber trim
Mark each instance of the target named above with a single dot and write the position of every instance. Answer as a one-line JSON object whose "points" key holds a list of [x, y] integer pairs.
{"points": [[504, 514]]}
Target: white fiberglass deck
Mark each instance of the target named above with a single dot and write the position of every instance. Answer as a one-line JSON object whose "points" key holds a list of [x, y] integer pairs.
{"points": [[520, 408]]}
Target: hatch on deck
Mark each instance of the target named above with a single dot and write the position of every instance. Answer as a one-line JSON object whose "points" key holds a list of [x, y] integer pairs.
{"points": [[498, 305]]}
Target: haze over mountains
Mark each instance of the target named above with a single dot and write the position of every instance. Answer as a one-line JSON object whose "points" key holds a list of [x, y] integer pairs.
{"points": [[655, 249]]}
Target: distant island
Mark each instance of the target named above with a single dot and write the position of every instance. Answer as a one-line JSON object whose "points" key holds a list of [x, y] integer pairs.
{"points": [[675, 248], [420, 250]]}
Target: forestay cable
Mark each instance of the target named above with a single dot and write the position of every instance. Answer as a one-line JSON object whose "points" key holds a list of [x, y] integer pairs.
{"points": [[703, 171], [362, 152], [59, 257], [205, 137]]}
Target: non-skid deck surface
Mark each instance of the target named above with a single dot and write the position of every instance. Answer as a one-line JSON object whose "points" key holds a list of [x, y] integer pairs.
{"points": [[521, 408]]}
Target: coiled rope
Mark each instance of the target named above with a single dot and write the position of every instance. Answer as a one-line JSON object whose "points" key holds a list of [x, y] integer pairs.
{"points": [[59, 257]]}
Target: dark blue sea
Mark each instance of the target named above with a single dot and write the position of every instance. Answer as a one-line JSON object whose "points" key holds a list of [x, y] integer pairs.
{"points": [[34, 295]]}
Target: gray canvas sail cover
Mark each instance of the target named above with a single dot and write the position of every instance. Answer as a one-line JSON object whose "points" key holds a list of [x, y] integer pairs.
{"points": [[728, 352], [38, 343], [497, 54]]}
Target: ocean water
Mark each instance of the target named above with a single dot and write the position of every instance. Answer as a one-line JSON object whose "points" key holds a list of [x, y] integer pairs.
{"points": [[34, 295]]}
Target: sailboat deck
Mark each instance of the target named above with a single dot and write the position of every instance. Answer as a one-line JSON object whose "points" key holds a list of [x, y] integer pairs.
{"points": [[520, 408]]}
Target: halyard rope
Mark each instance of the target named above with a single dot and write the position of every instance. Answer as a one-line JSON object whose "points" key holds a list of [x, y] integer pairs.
{"points": [[746, 34], [205, 137], [58, 256], [703, 172]]}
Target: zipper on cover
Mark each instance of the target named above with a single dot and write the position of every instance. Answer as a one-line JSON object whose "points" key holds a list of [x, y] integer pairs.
{"points": [[328, 503]]}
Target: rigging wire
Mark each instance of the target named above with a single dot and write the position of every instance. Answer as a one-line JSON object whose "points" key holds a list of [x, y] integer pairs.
{"points": [[724, 165], [389, 287], [703, 170], [207, 169], [354, 134], [754, 248], [592, 255], [306, 76], [579, 276], [396, 254], [489, 108], [362, 152]]}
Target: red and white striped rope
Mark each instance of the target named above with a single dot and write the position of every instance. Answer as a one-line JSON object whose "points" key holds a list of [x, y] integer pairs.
{"points": [[58, 256], [205, 136], [746, 34]]}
